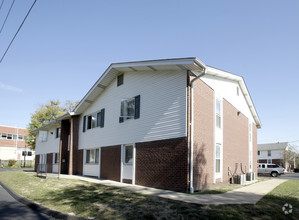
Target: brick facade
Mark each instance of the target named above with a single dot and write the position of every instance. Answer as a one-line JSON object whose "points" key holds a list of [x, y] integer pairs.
{"points": [[13, 131], [162, 164], [203, 148], [49, 162], [65, 131], [110, 162], [235, 141], [36, 162]]}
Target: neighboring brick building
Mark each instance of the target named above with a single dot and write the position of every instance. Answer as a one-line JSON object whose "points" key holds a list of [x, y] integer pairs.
{"points": [[12, 144], [176, 124]]}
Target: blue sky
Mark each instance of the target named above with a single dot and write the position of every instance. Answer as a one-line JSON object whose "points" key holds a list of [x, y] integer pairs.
{"points": [[65, 46]]}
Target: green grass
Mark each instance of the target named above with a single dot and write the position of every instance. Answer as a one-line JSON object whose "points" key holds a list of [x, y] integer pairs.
{"points": [[91, 200]]}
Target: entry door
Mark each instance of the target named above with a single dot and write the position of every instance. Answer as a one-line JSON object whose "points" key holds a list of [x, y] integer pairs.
{"points": [[128, 163]]}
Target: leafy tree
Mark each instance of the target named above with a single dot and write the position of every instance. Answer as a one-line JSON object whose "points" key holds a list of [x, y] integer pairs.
{"points": [[70, 105], [43, 115]]}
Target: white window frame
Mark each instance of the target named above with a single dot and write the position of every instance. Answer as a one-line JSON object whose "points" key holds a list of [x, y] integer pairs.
{"points": [[124, 108], [218, 116], [96, 156], [218, 174]]}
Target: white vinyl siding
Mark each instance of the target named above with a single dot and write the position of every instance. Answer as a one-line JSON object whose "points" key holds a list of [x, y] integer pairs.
{"points": [[162, 110], [49, 146], [227, 89]]}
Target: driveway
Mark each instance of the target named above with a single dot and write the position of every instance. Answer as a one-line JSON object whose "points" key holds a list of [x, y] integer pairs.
{"points": [[290, 176], [12, 209]]}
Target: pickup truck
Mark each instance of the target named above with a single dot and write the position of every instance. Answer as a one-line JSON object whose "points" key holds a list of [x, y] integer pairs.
{"points": [[270, 169]]}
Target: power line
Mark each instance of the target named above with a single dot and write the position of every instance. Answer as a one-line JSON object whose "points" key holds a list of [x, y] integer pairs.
{"points": [[7, 15], [18, 30], [1, 4]]}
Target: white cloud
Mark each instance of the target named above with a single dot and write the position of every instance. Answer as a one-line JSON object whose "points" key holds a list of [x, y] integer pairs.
{"points": [[10, 88]]}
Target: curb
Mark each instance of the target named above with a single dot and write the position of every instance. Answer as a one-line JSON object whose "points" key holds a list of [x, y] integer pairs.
{"points": [[40, 208]]}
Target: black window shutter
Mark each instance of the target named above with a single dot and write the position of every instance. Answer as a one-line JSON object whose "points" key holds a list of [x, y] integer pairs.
{"points": [[98, 119], [84, 123], [137, 107], [102, 118]]}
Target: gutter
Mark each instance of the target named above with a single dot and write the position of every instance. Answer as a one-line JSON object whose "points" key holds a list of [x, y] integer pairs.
{"points": [[192, 127]]}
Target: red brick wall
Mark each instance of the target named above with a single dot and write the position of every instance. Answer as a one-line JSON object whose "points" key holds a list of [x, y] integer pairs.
{"points": [[162, 164], [203, 147], [110, 162], [77, 154], [235, 140], [65, 131], [254, 147], [36, 162], [49, 162], [12, 130]]}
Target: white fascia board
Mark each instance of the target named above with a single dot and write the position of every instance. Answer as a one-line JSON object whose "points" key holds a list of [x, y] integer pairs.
{"points": [[226, 75], [181, 61]]}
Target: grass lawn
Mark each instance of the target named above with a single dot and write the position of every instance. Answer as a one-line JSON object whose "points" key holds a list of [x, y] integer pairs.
{"points": [[91, 200]]}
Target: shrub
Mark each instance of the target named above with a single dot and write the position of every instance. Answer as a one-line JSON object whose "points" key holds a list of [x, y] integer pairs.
{"points": [[11, 163]]}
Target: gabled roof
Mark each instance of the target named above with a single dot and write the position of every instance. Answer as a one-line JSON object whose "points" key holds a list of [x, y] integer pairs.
{"points": [[191, 63], [273, 146]]}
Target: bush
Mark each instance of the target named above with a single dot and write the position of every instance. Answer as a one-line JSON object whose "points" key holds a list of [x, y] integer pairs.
{"points": [[11, 163]]}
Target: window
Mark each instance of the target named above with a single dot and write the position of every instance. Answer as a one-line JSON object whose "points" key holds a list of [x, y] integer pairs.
{"points": [[92, 156], [58, 132], [269, 160], [56, 158], [15, 137], [129, 154], [20, 137], [218, 114], [120, 80], [218, 151], [269, 153], [263, 166], [43, 136], [9, 136], [250, 132], [29, 153], [258, 152], [130, 108], [94, 120], [4, 136]]}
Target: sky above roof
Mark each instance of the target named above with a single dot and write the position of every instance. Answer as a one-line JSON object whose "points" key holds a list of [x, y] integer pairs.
{"points": [[65, 46]]}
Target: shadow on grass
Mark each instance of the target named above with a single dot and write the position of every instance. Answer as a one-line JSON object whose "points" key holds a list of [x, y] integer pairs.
{"points": [[111, 203]]}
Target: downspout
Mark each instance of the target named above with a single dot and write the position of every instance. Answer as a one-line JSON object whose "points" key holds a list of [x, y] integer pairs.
{"points": [[192, 128]]}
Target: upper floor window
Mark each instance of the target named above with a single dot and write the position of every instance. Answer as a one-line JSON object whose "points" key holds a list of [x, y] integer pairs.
{"points": [[12, 136], [58, 132], [258, 152], [43, 136], [250, 132], [218, 158], [120, 79], [218, 113], [94, 120], [269, 153], [130, 108]]}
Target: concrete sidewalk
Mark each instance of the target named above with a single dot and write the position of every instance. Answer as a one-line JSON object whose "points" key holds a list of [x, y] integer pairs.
{"points": [[250, 194]]}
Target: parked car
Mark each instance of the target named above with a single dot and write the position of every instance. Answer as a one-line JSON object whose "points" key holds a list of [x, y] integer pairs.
{"points": [[270, 169]]}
